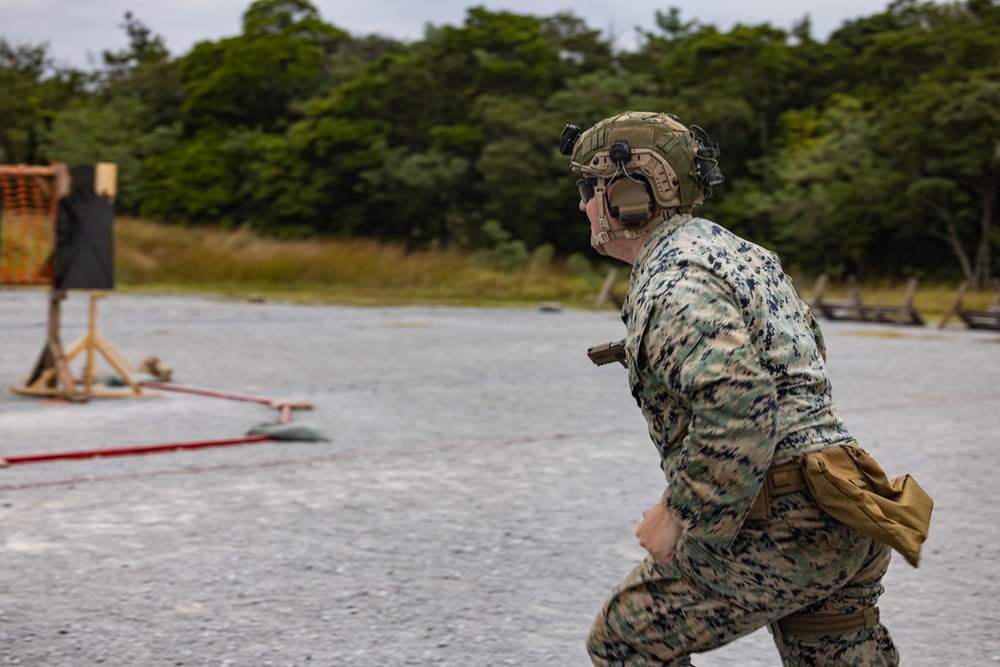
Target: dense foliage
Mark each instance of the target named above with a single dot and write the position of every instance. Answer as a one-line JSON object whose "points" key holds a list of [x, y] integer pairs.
{"points": [[875, 152]]}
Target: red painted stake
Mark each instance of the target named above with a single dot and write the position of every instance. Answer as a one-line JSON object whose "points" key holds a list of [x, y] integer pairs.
{"points": [[284, 406], [125, 451]]}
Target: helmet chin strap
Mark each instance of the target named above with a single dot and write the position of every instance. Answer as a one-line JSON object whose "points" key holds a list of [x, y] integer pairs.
{"points": [[608, 234]]}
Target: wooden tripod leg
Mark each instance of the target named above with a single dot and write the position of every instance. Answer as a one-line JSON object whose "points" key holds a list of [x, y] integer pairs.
{"points": [[75, 348], [47, 378], [110, 349], [52, 369], [95, 341], [88, 367], [53, 356], [92, 341], [112, 357], [63, 372]]}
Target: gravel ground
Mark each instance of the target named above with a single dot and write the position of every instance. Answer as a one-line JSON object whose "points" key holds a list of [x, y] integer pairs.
{"points": [[476, 503]]}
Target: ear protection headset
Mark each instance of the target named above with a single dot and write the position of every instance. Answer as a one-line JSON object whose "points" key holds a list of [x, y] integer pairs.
{"points": [[631, 198], [631, 201]]}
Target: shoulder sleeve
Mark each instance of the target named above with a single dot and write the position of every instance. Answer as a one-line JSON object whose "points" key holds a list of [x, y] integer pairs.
{"points": [[698, 346]]}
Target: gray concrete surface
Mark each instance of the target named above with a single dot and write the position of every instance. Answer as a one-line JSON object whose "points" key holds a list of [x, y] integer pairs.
{"points": [[475, 505]]}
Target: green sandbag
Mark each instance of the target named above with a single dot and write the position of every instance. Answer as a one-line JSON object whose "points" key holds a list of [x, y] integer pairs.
{"points": [[110, 380], [289, 431]]}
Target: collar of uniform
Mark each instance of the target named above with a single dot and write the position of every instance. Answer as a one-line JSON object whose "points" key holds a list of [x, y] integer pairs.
{"points": [[658, 234], [638, 276]]}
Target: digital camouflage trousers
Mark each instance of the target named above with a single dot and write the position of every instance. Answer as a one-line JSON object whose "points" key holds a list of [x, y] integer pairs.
{"points": [[799, 561]]}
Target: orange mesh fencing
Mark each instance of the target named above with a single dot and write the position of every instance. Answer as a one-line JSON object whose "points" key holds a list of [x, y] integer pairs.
{"points": [[28, 200]]}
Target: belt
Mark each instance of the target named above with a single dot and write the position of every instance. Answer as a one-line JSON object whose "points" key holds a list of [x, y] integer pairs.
{"points": [[782, 479]]}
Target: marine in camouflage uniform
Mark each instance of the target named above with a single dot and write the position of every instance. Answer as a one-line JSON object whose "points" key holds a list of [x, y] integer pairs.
{"points": [[728, 367]]}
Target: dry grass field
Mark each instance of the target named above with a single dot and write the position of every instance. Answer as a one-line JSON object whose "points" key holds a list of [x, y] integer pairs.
{"points": [[156, 257], [349, 271]]}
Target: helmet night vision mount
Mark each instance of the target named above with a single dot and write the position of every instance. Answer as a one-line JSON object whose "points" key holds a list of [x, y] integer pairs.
{"points": [[651, 159]]}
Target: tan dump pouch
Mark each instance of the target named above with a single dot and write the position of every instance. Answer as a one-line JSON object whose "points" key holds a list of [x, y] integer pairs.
{"points": [[851, 487]]}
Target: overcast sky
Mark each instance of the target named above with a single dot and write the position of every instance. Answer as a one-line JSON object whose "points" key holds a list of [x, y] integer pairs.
{"points": [[78, 30]]}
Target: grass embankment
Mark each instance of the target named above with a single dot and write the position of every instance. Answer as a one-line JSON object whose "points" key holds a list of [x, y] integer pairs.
{"points": [[154, 257]]}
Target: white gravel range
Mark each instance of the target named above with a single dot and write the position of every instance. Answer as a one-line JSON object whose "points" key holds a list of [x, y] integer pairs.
{"points": [[475, 505]]}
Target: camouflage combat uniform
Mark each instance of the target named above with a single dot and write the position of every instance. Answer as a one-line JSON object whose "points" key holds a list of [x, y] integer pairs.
{"points": [[728, 367]]}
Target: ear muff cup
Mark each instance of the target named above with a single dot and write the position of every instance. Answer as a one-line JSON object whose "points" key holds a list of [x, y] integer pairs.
{"points": [[631, 202]]}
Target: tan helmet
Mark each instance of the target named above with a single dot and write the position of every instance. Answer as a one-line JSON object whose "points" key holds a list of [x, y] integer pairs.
{"points": [[655, 158]]}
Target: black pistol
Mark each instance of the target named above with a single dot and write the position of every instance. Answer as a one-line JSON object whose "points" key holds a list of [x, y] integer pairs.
{"points": [[605, 353]]}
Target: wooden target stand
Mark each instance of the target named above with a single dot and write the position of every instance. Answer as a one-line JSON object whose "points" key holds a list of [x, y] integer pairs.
{"points": [[52, 375]]}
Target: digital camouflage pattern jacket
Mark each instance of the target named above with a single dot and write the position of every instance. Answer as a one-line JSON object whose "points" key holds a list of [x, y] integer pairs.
{"points": [[728, 367]]}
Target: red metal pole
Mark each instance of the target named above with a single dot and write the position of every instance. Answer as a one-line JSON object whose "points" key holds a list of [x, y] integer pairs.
{"points": [[165, 386], [125, 451]]}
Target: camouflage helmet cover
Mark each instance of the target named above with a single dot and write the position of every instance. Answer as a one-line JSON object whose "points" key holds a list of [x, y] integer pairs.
{"points": [[662, 150]]}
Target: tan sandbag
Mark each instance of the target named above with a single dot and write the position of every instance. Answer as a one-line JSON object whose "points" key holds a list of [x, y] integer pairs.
{"points": [[852, 488]]}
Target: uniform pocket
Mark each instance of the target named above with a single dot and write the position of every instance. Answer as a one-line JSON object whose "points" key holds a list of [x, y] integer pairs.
{"points": [[807, 525]]}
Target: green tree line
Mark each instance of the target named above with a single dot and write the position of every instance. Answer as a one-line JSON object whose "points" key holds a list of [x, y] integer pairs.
{"points": [[875, 152]]}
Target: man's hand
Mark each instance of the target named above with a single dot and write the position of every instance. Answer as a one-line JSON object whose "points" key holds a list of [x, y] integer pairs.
{"points": [[658, 533]]}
